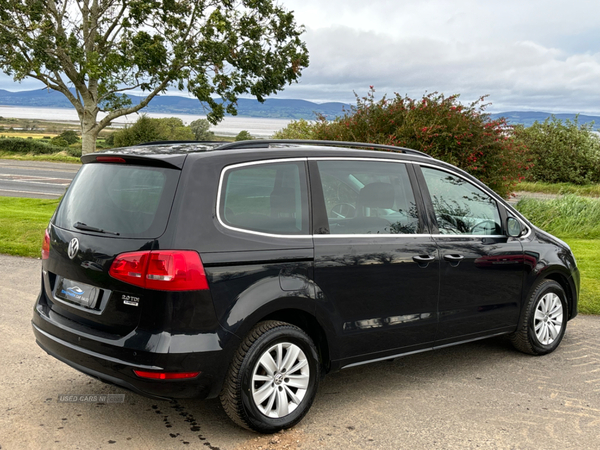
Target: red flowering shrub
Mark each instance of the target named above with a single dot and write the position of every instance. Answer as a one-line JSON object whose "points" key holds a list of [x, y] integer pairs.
{"points": [[439, 126]]}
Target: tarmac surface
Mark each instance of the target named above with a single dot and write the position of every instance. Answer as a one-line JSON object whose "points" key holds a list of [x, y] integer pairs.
{"points": [[35, 179], [478, 395]]}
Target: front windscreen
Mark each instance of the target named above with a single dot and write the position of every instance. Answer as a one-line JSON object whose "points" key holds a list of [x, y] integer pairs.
{"points": [[120, 200]]}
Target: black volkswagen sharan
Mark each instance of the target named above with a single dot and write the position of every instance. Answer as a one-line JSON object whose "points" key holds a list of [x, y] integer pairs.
{"points": [[249, 270]]}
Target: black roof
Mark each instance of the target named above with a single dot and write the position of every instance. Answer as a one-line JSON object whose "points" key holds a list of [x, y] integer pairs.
{"points": [[184, 147]]}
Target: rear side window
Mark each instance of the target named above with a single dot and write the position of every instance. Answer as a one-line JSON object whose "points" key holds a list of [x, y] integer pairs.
{"points": [[133, 201], [368, 197], [267, 197]]}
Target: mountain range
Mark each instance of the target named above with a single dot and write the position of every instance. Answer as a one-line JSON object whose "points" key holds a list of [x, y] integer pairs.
{"points": [[272, 108], [168, 104], [528, 118]]}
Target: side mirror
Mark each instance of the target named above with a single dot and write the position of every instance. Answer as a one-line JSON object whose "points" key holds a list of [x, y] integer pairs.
{"points": [[514, 228]]}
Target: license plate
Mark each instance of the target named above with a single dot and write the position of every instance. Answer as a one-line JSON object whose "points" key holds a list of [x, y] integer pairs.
{"points": [[75, 292]]}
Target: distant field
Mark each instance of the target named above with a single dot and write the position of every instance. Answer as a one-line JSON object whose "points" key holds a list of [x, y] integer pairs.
{"points": [[26, 134]]}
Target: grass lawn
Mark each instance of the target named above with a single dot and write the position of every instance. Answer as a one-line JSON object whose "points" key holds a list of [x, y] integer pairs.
{"points": [[587, 253], [22, 224], [23, 220]]}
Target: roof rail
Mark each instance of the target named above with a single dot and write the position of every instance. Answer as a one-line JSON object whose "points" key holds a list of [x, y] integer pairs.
{"points": [[181, 142], [262, 142]]}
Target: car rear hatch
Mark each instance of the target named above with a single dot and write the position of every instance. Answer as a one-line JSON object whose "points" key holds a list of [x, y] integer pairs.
{"points": [[115, 204]]}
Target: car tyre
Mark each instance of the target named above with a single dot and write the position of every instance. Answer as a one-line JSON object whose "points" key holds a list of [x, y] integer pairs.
{"points": [[544, 320], [273, 378]]}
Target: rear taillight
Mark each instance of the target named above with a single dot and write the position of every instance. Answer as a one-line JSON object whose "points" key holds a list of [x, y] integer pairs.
{"points": [[166, 375], [163, 270], [46, 245]]}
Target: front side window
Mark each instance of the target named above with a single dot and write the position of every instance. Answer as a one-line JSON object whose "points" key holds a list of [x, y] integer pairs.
{"points": [[461, 207], [368, 197], [268, 198]]}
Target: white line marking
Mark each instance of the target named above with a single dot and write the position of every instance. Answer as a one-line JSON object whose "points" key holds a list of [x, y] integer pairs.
{"points": [[40, 182], [31, 192], [33, 177]]}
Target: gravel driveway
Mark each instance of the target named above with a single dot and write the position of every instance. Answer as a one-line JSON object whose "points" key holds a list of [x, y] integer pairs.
{"points": [[480, 395]]}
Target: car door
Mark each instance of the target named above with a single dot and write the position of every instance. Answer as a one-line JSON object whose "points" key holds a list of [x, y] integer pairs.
{"points": [[376, 265], [481, 267]]}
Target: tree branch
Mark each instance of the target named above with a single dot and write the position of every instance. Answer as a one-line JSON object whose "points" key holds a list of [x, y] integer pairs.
{"points": [[106, 38], [124, 111], [67, 64], [58, 85], [114, 91]]}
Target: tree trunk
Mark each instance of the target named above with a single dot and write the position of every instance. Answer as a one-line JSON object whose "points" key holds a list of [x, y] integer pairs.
{"points": [[89, 130], [88, 141]]}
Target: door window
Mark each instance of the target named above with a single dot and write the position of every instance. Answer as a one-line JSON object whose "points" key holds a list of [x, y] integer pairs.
{"points": [[368, 197], [461, 207], [268, 198]]}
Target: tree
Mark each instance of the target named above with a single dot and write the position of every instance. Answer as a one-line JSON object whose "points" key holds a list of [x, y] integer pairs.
{"points": [[297, 129], [562, 151], [243, 135], [94, 51], [70, 136], [201, 130], [59, 141], [148, 130]]}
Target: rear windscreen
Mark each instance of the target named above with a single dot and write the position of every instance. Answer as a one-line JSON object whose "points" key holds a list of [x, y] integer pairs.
{"points": [[133, 201]]}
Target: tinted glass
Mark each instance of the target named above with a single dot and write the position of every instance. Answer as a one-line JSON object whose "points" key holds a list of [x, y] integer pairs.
{"points": [[269, 198], [460, 207], [368, 197], [133, 201]]}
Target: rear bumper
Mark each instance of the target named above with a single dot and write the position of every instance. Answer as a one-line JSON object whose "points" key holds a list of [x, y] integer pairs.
{"points": [[113, 360]]}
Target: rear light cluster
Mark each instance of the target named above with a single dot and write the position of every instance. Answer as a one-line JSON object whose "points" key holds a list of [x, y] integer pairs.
{"points": [[46, 245], [163, 270], [166, 375]]}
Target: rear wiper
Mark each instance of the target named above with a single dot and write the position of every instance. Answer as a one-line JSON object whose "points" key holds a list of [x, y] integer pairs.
{"points": [[82, 226]]}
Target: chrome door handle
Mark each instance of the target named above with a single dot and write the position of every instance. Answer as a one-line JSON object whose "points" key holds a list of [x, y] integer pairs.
{"points": [[423, 258], [454, 258]]}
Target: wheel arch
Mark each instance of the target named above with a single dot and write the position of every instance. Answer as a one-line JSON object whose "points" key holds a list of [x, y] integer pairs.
{"points": [[568, 287], [311, 326], [564, 279]]}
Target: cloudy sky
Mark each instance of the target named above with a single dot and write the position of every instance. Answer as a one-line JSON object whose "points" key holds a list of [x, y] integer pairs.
{"points": [[527, 54]]}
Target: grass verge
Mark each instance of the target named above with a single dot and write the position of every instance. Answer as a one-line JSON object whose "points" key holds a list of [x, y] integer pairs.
{"points": [[23, 220], [54, 157], [22, 224], [590, 190], [570, 216], [587, 252]]}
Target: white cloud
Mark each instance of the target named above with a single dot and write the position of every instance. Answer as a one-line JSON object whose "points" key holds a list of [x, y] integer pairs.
{"points": [[533, 54], [525, 55]]}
